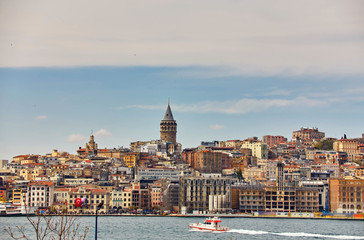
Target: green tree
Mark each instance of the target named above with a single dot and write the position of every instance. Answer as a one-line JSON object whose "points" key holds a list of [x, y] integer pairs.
{"points": [[239, 174], [326, 144]]}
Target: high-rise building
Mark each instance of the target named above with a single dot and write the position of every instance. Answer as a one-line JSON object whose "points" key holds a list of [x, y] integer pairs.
{"points": [[168, 127]]}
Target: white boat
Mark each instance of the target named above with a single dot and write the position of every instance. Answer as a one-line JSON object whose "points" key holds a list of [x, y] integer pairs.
{"points": [[7, 209], [210, 224]]}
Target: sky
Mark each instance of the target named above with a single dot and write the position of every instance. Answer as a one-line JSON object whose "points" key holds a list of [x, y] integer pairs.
{"points": [[232, 69]]}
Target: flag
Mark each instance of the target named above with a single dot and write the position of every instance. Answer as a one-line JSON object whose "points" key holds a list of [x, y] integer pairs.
{"points": [[84, 201], [78, 202]]}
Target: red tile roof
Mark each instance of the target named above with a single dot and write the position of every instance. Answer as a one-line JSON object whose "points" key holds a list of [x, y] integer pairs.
{"points": [[41, 183]]}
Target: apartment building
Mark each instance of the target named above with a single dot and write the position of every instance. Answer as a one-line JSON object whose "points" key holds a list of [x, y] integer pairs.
{"points": [[259, 149], [40, 194], [205, 193], [346, 195], [273, 140]]}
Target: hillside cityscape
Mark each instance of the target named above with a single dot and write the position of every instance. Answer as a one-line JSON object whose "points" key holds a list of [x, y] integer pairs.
{"points": [[308, 175]]}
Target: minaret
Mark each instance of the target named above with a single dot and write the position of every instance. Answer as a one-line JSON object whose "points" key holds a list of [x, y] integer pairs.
{"points": [[168, 127]]}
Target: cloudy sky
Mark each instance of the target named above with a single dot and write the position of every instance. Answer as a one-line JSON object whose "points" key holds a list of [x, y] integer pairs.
{"points": [[233, 69]]}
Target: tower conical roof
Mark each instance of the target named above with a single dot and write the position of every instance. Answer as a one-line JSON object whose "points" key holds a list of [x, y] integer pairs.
{"points": [[168, 116]]}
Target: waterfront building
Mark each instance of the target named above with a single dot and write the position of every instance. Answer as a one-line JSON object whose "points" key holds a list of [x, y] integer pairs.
{"points": [[280, 199], [308, 199], [61, 195], [346, 195], [307, 136], [140, 198], [127, 198], [40, 194], [171, 197], [323, 192], [156, 195], [257, 198], [18, 197], [91, 198], [205, 194], [116, 199], [252, 198]]}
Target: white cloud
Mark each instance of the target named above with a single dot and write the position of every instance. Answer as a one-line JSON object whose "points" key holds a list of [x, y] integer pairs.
{"points": [[217, 127], [102, 133], [259, 37], [41, 117], [76, 138]]}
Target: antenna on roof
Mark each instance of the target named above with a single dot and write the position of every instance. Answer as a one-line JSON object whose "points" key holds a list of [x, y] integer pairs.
{"points": [[168, 101]]}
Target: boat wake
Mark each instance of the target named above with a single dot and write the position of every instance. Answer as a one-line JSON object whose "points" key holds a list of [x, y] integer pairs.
{"points": [[294, 234], [204, 230]]}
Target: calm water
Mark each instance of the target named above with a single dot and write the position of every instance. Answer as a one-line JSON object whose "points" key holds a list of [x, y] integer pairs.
{"points": [[240, 228]]}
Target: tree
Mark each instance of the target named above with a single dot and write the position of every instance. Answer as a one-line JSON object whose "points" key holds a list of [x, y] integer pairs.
{"points": [[326, 144], [50, 227], [239, 174]]}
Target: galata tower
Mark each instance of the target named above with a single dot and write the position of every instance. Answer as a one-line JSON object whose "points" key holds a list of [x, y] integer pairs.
{"points": [[169, 127]]}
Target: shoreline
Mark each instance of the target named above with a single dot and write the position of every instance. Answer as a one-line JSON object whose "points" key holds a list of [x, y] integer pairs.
{"points": [[202, 216]]}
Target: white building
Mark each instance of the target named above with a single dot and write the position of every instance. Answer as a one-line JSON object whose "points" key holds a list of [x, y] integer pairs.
{"points": [[159, 173], [40, 194], [116, 199]]}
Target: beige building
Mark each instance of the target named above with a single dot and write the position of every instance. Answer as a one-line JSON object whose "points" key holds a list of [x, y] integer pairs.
{"points": [[116, 199], [253, 173], [307, 136], [94, 197], [30, 174], [346, 195], [350, 146], [127, 198], [77, 181], [259, 149]]}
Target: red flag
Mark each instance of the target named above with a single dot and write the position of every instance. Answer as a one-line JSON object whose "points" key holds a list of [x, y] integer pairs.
{"points": [[78, 202]]}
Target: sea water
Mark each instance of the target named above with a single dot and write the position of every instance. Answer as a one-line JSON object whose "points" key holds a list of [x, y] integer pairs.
{"points": [[141, 227]]}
